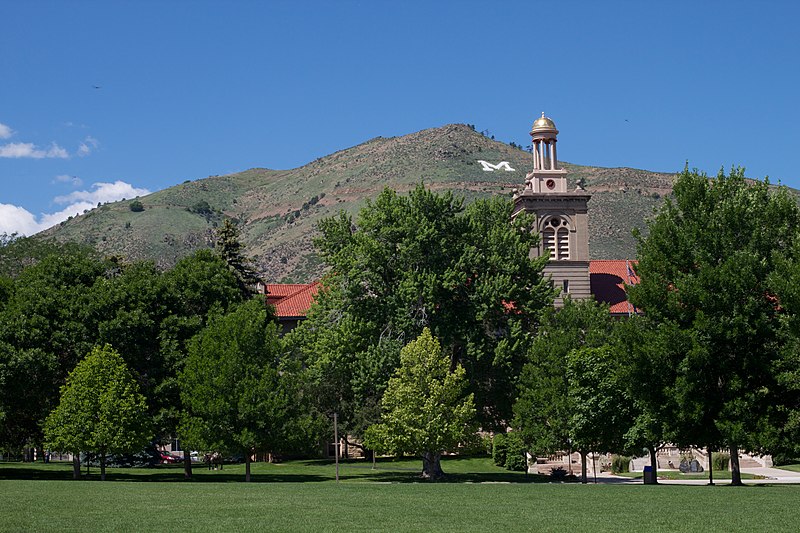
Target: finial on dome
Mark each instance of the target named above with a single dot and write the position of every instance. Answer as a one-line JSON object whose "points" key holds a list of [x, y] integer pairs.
{"points": [[543, 123]]}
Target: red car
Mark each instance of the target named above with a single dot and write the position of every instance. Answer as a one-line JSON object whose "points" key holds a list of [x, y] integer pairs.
{"points": [[167, 458]]}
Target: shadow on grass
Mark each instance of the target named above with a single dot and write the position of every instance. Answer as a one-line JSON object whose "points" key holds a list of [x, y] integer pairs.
{"points": [[386, 470]]}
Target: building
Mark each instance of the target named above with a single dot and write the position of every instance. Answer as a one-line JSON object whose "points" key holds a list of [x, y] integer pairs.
{"points": [[561, 218]]}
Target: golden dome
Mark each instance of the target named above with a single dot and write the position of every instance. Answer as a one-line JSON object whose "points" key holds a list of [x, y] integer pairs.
{"points": [[543, 123]]}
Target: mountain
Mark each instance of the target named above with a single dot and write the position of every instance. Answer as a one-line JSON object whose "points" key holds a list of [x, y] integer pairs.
{"points": [[277, 210]]}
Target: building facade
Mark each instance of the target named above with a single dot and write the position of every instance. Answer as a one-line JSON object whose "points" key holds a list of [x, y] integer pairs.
{"points": [[561, 215]]}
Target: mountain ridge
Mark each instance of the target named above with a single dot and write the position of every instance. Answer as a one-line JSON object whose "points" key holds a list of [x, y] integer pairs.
{"points": [[277, 210]]}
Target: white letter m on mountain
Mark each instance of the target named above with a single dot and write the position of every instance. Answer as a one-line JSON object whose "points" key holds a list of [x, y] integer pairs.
{"points": [[488, 167]]}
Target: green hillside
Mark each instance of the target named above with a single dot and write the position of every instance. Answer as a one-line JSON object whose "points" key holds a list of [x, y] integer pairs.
{"points": [[278, 209]]}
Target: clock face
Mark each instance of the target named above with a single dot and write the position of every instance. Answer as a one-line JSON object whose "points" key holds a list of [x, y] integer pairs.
{"points": [[551, 184]]}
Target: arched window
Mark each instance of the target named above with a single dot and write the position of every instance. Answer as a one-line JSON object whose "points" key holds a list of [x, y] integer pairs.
{"points": [[555, 238]]}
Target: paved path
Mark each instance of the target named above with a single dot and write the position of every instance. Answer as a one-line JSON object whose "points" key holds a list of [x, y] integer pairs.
{"points": [[772, 475]]}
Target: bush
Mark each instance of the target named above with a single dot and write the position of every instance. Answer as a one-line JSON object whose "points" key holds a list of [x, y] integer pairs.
{"points": [[620, 464], [558, 473], [476, 445], [499, 449], [516, 459], [201, 208], [721, 460], [136, 206], [780, 459]]}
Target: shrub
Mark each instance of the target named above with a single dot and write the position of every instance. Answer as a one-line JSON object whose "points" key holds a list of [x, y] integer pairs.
{"points": [[620, 464], [516, 459], [499, 449], [721, 460], [201, 208], [477, 445], [558, 473], [780, 459], [136, 206]]}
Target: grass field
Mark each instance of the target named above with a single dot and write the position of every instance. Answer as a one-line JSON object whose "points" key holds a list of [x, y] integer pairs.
{"points": [[302, 496], [674, 474], [793, 468]]}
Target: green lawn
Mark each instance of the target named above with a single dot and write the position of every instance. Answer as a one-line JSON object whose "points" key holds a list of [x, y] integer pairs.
{"points": [[674, 474], [38, 499], [793, 468]]}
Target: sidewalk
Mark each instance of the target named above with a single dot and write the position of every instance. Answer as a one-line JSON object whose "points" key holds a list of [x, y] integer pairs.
{"points": [[771, 475]]}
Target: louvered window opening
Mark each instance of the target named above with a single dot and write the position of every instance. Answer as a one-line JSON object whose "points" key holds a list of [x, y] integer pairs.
{"points": [[556, 239]]}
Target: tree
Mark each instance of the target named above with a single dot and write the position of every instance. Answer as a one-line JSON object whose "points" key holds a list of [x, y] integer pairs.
{"points": [[236, 394], [544, 409], [229, 248], [647, 354], [46, 326], [425, 409], [785, 283], [704, 267], [423, 260], [101, 409], [600, 413], [195, 286]]}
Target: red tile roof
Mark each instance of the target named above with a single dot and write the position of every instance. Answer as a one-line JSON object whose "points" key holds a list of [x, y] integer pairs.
{"points": [[292, 300], [608, 279]]}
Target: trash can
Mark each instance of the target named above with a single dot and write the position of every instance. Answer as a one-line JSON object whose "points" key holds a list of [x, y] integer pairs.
{"points": [[648, 475]]}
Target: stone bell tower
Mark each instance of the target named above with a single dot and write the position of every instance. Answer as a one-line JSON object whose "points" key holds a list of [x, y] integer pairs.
{"points": [[561, 215]]}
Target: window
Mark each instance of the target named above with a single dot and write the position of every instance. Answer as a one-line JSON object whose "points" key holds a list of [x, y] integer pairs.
{"points": [[566, 286], [555, 237], [563, 243]]}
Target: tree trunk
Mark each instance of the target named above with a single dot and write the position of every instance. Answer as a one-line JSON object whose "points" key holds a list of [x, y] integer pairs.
{"points": [[654, 464], [736, 474], [102, 465], [583, 467], [76, 465], [247, 465], [187, 465], [432, 466], [710, 466]]}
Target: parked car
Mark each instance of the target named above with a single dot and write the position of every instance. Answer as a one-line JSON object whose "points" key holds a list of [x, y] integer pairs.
{"points": [[167, 458]]}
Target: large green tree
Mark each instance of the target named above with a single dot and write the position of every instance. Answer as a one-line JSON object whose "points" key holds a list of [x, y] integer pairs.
{"points": [[229, 247], [415, 261], [47, 325], [101, 409], [601, 411], [647, 353], [544, 408], [426, 410], [237, 395], [704, 266], [785, 282]]}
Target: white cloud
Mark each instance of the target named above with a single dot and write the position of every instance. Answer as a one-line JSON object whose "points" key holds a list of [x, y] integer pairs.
{"points": [[15, 219], [20, 150], [88, 145], [5, 131], [103, 192], [75, 181], [48, 220]]}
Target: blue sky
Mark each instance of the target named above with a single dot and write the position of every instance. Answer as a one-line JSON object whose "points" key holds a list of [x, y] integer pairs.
{"points": [[191, 89]]}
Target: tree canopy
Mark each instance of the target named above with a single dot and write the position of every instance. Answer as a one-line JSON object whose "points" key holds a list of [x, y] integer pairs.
{"points": [[101, 409], [426, 410], [236, 394], [423, 261], [704, 266]]}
